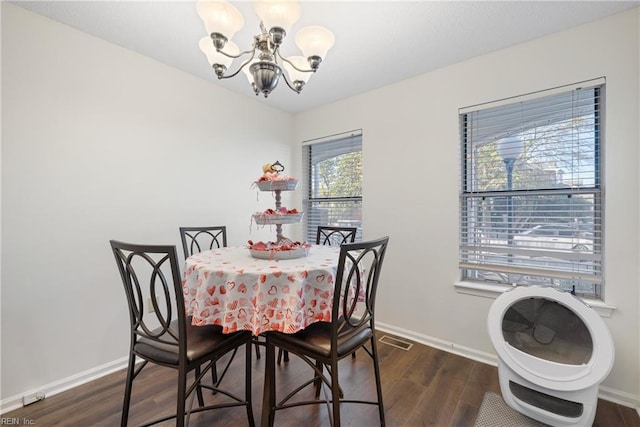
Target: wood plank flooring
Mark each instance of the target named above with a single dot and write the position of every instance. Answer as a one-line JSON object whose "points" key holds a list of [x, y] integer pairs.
{"points": [[422, 387]]}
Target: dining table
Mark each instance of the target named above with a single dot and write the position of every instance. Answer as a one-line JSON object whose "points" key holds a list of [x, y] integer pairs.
{"points": [[227, 286]]}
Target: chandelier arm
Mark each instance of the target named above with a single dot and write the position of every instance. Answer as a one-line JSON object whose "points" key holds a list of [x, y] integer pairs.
{"points": [[228, 55], [248, 61], [277, 51], [284, 76], [289, 84]]}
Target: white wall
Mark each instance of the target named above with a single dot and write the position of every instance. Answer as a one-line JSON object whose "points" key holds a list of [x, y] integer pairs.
{"points": [[101, 143], [411, 166]]}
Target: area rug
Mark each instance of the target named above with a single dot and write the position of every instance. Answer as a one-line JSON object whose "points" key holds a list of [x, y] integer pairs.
{"points": [[494, 412]]}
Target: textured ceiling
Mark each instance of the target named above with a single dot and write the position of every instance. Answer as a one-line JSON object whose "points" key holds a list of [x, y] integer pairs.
{"points": [[377, 42]]}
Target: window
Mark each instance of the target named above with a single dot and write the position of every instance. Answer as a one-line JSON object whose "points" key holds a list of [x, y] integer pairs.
{"points": [[333, 191], [531, 201]]}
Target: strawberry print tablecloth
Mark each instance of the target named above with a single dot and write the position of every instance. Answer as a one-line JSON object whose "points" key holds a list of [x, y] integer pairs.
{"points": [[228, 287]]}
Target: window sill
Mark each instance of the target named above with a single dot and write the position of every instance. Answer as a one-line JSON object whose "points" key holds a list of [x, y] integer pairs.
{"points": [[487, 290]]}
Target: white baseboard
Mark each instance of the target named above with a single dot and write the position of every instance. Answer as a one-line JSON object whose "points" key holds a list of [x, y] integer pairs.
{"points": [[15, 402], [605, 393], [469, 353], [619, 397]]}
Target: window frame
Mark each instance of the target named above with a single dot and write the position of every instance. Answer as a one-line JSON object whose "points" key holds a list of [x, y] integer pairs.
{"points": [[343, 143], [490, 287]]}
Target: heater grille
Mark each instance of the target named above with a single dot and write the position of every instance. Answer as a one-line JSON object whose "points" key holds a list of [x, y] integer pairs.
{"points": [[395, 342]]}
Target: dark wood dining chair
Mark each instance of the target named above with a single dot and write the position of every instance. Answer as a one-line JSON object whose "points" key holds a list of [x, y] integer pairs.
{"points": [[162, 334], [198, 239], [321, 345], [328, 236]]}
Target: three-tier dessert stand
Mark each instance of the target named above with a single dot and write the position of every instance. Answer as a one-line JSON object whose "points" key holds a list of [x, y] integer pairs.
{"points": [[284, 248]]}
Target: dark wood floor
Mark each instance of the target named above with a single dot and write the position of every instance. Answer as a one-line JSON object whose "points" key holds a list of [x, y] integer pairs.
{"points": [[421, 387]]}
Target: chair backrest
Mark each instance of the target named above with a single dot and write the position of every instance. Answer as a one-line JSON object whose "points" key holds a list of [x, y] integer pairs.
{"points": [[151, 276], [356, 286], [335, 236], [198, 239]]}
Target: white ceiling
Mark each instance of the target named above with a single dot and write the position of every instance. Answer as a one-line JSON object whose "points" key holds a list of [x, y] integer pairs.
{"points": [[377, 42]]}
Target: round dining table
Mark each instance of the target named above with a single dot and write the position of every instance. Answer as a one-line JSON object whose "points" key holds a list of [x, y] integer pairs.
{"points": [[229, 287]]}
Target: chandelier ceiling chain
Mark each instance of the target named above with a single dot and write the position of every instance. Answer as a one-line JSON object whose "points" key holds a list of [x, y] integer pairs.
{"points": [[263, 67]]}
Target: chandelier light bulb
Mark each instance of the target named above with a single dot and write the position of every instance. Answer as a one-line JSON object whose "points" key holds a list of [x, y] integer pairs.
{"points": [[220, 17], [277, 13], [315, 41]]}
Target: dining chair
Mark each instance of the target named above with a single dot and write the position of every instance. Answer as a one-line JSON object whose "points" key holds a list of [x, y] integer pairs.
{"points": [[198, 239], [327, 235], [321, 345], [335, 236], [161, 332]]}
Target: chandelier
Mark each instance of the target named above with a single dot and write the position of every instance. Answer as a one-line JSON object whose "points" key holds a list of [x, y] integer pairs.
{"points": [[263, 62]]}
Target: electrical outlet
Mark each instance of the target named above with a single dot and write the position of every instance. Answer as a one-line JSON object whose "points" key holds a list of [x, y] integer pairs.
{"points": [[149, 305], [28, 399]]}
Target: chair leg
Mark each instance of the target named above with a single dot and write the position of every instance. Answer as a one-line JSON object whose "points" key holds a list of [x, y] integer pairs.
{"points": [[247, 384], [376, 369], [335, 393], [282, 352], [214, 376], [217, 379], [182, 390], [127, 391], [257, 349], [318, 383], [198, 388], [269, 392]]}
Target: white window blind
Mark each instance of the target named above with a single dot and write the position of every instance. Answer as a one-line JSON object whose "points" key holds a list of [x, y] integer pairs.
{"points": [[333, 187], [531, 201]]}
